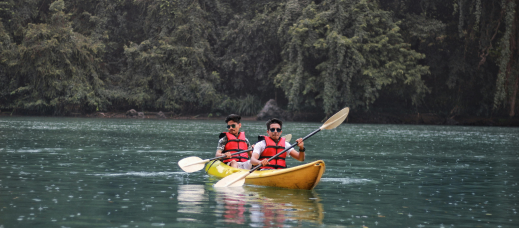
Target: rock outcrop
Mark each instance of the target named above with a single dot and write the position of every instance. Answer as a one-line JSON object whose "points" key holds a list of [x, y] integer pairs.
{"points": [[451, 121], [272, 110], [131, 113], [161, 115]]}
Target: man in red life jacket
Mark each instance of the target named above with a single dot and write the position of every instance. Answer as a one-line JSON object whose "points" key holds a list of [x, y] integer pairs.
{"points": [[273, 144], [232, 141]]}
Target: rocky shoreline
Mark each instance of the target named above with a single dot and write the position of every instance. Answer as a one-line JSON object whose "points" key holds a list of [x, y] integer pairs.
{"points": [[354, 117], [271, 109]]}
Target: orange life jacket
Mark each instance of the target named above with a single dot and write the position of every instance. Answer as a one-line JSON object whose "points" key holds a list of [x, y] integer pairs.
{"points": [[235, 144], [271, 149]]}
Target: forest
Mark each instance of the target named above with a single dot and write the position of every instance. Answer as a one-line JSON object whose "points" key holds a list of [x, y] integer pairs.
{"points": [[448, 57]]}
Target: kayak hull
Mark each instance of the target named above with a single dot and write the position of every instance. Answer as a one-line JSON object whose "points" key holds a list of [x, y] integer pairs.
{"points": [[305, 176]]}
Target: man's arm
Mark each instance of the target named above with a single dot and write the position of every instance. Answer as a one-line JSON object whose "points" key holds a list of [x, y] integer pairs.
{"points": [[218, 153], [249, 146], [254, 159], [221, 146], [300, 156], [258, 149]]}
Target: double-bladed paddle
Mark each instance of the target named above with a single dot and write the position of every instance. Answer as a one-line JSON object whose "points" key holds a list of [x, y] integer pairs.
{"points": [[193, 164], [238, 179]]}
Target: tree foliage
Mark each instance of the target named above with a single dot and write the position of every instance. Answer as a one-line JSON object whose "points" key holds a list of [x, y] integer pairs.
{"points": [[343, 53], [466, 48], [221, 56], [55, 69], [172, 68]]}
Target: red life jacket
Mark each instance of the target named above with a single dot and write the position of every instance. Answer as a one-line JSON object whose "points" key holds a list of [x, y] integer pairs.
{"points": [[235, 144], [271, 149]]}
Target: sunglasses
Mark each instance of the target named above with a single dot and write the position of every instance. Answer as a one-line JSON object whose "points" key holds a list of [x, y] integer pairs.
{"points": [[275, 129], [232, 125]]}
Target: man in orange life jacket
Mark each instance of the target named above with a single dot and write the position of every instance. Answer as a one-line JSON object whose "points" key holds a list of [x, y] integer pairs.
{"points": [[273, 144], [232, 141]]}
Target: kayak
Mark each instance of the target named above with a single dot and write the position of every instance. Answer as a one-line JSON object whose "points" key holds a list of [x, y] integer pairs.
{"points": [[305, 176]]}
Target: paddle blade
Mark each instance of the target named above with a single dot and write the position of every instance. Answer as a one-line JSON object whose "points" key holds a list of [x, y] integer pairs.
{"points": [[288, 137], [191, 164], [336, 119], [233, 180]]}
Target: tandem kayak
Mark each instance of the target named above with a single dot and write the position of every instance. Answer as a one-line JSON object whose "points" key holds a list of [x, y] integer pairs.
{"points": [[305, 176]]}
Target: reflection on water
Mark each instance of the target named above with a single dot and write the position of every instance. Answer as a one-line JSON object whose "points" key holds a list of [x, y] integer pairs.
{"points": [[231, 207], [191, 198], [269, 206], [255, 206], [278, 205]]}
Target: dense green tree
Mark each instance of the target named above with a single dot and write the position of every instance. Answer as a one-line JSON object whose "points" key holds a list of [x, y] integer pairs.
{"points": [[114, 23], [172, 68], [343, 53], [55, 69], [247, 53], [5, 45], [249, 48], [467, 50], [508, 76]]}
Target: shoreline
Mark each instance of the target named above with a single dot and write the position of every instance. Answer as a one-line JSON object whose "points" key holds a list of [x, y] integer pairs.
{"points": [[367, 118]]}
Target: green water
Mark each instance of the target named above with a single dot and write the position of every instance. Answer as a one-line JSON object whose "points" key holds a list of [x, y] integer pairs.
{"points": [[73, 172]]}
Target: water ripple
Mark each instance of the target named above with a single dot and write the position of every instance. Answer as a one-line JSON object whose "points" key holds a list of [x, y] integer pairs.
{"points": [[141, 174], [346, 180]]}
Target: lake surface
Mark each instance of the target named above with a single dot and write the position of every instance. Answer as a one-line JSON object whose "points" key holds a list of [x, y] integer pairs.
{"points": [[75, 172]]}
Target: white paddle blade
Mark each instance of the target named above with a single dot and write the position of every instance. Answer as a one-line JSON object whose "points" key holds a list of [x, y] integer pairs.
{"points": [[336, 119], [191, 164], [233, 180], [288, 137]]}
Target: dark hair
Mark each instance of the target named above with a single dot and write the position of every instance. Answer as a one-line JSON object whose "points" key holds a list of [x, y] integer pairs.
{"points": [[233, 117], [273, 121]]}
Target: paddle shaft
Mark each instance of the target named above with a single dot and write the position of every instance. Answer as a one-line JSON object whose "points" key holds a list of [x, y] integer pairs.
{"points": [[285, 150], [224, 156]]}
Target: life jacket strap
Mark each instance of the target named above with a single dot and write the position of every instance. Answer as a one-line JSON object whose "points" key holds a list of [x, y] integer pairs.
{"points": [[236, 140], [231, 150], [237, 157], [275, 147]]}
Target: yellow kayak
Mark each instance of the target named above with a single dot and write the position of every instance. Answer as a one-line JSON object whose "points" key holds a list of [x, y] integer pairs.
{"points": [[305, 176]]}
